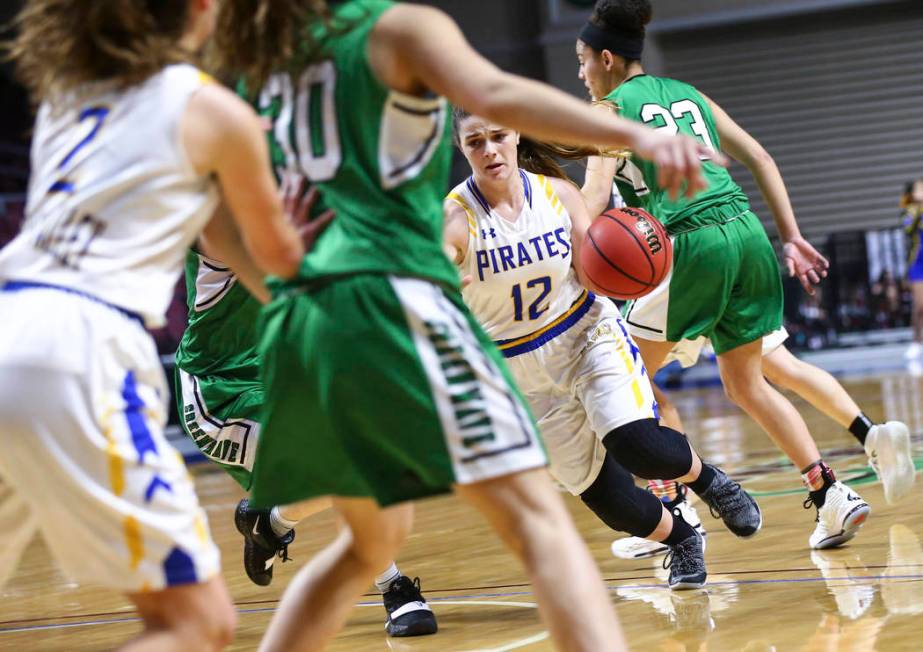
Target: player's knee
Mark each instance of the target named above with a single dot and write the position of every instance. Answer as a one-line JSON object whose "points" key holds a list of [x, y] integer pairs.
{"points": [[735, 389], [650, 450]]}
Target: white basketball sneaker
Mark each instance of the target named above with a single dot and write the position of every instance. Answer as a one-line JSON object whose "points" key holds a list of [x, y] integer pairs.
{"points": [[888, 448], [638, 548], [839, 519]]}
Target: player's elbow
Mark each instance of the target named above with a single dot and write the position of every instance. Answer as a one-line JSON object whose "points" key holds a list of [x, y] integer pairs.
{"points": [[759, 159]]}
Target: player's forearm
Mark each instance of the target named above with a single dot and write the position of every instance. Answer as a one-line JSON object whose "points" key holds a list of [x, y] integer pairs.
{"points": [[597, 185], [548, 114], [769, 179], [221, 240]]}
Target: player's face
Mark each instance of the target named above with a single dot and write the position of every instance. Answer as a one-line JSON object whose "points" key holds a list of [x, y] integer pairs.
{"points": [[490, 149], [592, 71]]}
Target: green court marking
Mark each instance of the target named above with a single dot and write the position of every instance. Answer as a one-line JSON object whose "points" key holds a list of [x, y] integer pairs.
{"points": [[853, 477]]}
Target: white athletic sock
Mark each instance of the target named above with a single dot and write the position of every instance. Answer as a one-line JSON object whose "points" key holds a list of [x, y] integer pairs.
{"points": [[280, 526], [383, 581]]}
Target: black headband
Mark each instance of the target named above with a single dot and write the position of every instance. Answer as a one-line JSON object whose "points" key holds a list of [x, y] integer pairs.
{"points": [[618, 41]]}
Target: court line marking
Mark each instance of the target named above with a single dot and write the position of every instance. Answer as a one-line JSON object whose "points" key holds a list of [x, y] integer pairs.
{"points": [[478, 597]]}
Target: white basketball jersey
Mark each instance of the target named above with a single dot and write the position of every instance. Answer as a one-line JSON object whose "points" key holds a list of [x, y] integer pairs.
{"points": [[113, 200], [523, 283]]}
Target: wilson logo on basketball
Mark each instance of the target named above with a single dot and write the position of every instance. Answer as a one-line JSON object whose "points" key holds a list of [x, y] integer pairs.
{"points": [[646, 229]]}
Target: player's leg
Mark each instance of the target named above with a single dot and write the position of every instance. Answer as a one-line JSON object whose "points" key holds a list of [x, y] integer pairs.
{"points": [[228, 435], [623, 506], [671, 494], [754, 309], [325, 590], [530, 517], [617, 395], [840, 510], [221, 416], [184, 618], [887, 444], [112, 498]]}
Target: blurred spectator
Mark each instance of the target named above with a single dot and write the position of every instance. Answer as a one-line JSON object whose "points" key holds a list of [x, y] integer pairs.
{"points": [[912, 207]]}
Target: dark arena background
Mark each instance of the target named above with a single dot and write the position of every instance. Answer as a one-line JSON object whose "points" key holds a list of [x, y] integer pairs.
{"points": [[833, 89]]}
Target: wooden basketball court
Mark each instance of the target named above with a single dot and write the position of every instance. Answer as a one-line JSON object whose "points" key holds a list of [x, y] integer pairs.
{"points": [[766, 593]]}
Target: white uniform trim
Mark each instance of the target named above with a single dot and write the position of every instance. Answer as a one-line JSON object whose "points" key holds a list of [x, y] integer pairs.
{"points": [[488, 431]]}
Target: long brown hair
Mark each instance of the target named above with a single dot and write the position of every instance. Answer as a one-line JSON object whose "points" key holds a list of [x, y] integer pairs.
{"points": [[65, 43], [536, 156], [255, 38]]}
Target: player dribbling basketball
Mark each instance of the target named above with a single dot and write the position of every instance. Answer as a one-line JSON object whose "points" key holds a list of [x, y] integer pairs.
{"points": [[725, 283], [514, 233]]}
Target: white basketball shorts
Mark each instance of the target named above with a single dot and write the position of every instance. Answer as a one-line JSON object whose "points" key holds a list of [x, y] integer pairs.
{"points": [[580, 386], [83, 458]]}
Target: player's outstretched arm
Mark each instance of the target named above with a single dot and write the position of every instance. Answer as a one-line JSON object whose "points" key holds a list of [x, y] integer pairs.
{"points": [[414, 49], [222, 135], [801, 259]]}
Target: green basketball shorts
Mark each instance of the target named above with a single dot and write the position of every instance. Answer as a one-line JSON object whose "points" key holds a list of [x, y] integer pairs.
{"points": [[222, 418], [725, 285], [384, 387]]}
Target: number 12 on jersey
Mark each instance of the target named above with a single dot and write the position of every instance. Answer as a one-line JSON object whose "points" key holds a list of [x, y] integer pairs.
{"points": [[535, 308]]}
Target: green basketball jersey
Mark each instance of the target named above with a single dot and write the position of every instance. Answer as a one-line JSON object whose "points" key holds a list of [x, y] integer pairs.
{"points": [[674, 106], [380, 158], [221, 337]]}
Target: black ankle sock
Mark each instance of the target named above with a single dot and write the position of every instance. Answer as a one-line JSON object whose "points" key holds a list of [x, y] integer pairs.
{"points": [[819, 497], [701, 483], [680, 532], [860, 427]]}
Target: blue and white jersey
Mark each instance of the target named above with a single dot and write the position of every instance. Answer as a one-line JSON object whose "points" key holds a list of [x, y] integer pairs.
{"points": [[524, 290], [113, 202]]}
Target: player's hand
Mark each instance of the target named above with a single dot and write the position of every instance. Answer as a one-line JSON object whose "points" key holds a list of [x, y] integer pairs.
{"points": [[298, 198], [678, 160], [805, 262]]}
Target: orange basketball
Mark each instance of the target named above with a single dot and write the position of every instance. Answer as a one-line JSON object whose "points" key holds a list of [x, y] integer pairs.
{"points": [[626, 253]]}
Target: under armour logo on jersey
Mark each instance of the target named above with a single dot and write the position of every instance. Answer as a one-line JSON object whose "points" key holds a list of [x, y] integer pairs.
{"points": [[489, 233]]}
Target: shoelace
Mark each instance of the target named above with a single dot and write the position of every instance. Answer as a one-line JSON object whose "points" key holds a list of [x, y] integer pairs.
{"points": [[685, 562], [283, 545], [807, 504], [404, 590], [727, 495]]}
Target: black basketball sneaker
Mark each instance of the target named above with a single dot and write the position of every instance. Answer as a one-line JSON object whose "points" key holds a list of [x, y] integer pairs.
{"points": [[408, 613], [261, 544]]}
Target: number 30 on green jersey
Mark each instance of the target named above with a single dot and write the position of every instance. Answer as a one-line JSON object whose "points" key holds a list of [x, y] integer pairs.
{"points": [[304, 128]]}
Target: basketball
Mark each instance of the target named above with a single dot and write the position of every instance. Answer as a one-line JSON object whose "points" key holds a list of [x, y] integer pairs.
{"points": [[626, 253]]}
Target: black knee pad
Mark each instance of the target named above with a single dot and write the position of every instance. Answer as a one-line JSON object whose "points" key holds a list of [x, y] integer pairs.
{"points": [[621, 505], [650, 450]]}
